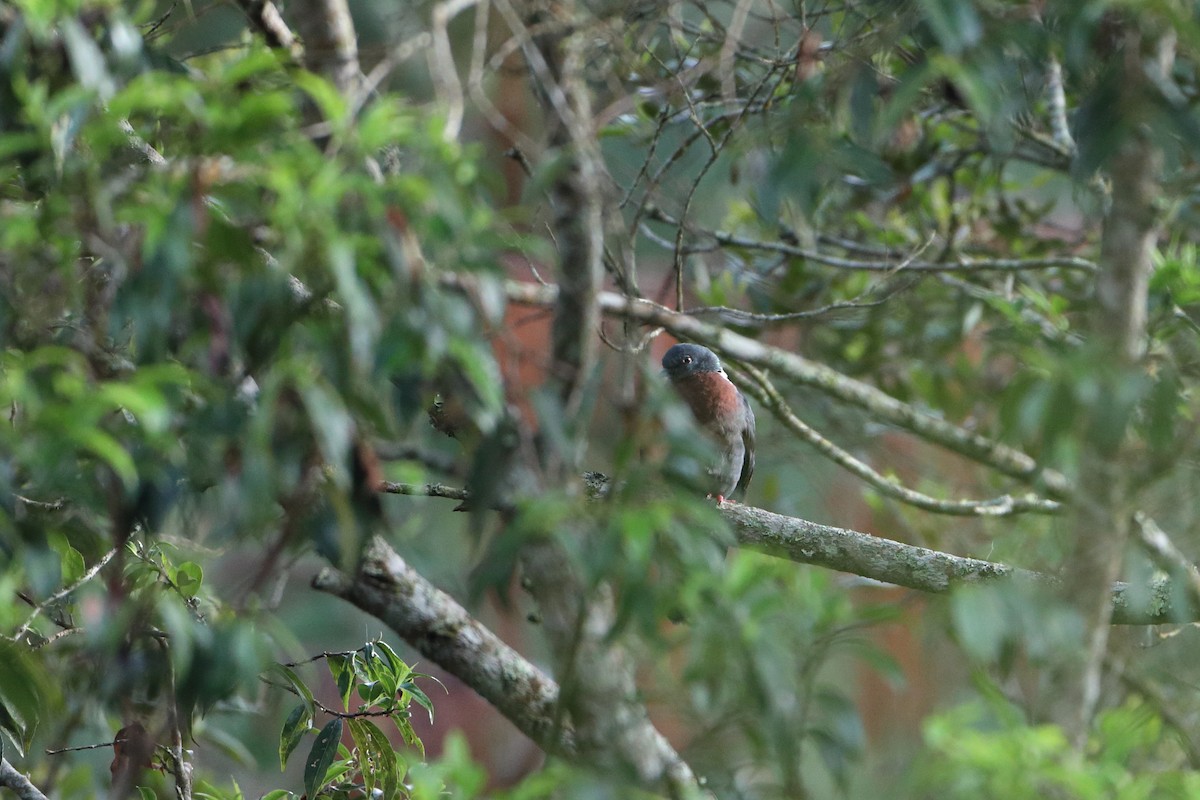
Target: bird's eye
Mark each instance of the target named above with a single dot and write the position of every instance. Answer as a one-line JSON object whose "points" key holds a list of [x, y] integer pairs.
{"points": [[687, 359]]}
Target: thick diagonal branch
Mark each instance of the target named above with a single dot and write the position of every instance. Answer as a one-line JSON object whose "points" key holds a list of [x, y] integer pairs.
{"points": [[17, 783], [388, 588], [433, 622]]}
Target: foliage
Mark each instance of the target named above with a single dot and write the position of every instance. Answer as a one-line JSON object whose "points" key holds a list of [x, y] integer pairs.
{"points": [[191, 353], [991, 753]]}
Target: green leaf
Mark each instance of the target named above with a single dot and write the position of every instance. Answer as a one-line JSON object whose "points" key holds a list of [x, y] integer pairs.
{"points": [[404, 725], [298, 723], [333, 424], [376, 757], [342, 669], [321, 756], [145, 403], [108, 450], [326, 96], [22, 698], [229, 745], [188, 577], [340, 768], [87, 59], [72, 563], [980, 621], [277, 794], [417, 694], [146, 793], [394, 662], [300, 686]]}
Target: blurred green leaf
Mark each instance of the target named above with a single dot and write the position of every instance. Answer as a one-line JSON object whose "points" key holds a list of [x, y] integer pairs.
{"points": [[23, 694], [188, 578]]}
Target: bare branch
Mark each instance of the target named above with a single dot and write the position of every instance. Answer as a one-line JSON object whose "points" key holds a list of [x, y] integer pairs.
{"points": [[265, 17], [59, 595], [442, 630], [963, 263], [917, 567], [1057, 99], [879, 404], [761, 388], [177, 754], [17, 783], [387, 587], [1166, 555], [444, 72]]}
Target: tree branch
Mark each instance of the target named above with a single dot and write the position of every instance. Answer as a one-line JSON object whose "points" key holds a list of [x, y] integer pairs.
{"points": [[879, 404], [763, 390], [432, 621], [18, 783], [916, 567], [264, 16], [387, 587], [963, 263], [911, 566], [54, 598], [330, 44]]}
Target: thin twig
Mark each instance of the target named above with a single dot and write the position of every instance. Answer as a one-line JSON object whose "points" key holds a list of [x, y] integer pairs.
{"points": [[1006, 505], [962, 263], [54, 598]]}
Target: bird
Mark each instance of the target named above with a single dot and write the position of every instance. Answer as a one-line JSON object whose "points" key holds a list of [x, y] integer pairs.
{"points": [[720, 409]]}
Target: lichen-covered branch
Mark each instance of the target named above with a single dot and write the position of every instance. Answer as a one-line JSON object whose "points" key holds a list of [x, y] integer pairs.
{"points": [[910, 566], [17, 783], [919, 567], [387, 587], [433, 622]]}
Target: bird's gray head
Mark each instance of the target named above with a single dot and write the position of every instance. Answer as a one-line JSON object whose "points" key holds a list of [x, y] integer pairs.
{"points": [[683, 360]]}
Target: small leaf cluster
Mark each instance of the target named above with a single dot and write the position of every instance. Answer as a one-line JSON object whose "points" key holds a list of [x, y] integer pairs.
{"points": [[385, 687]]}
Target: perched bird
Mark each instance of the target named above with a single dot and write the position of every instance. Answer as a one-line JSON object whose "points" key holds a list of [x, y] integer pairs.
{"points": [[721, 409]]}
